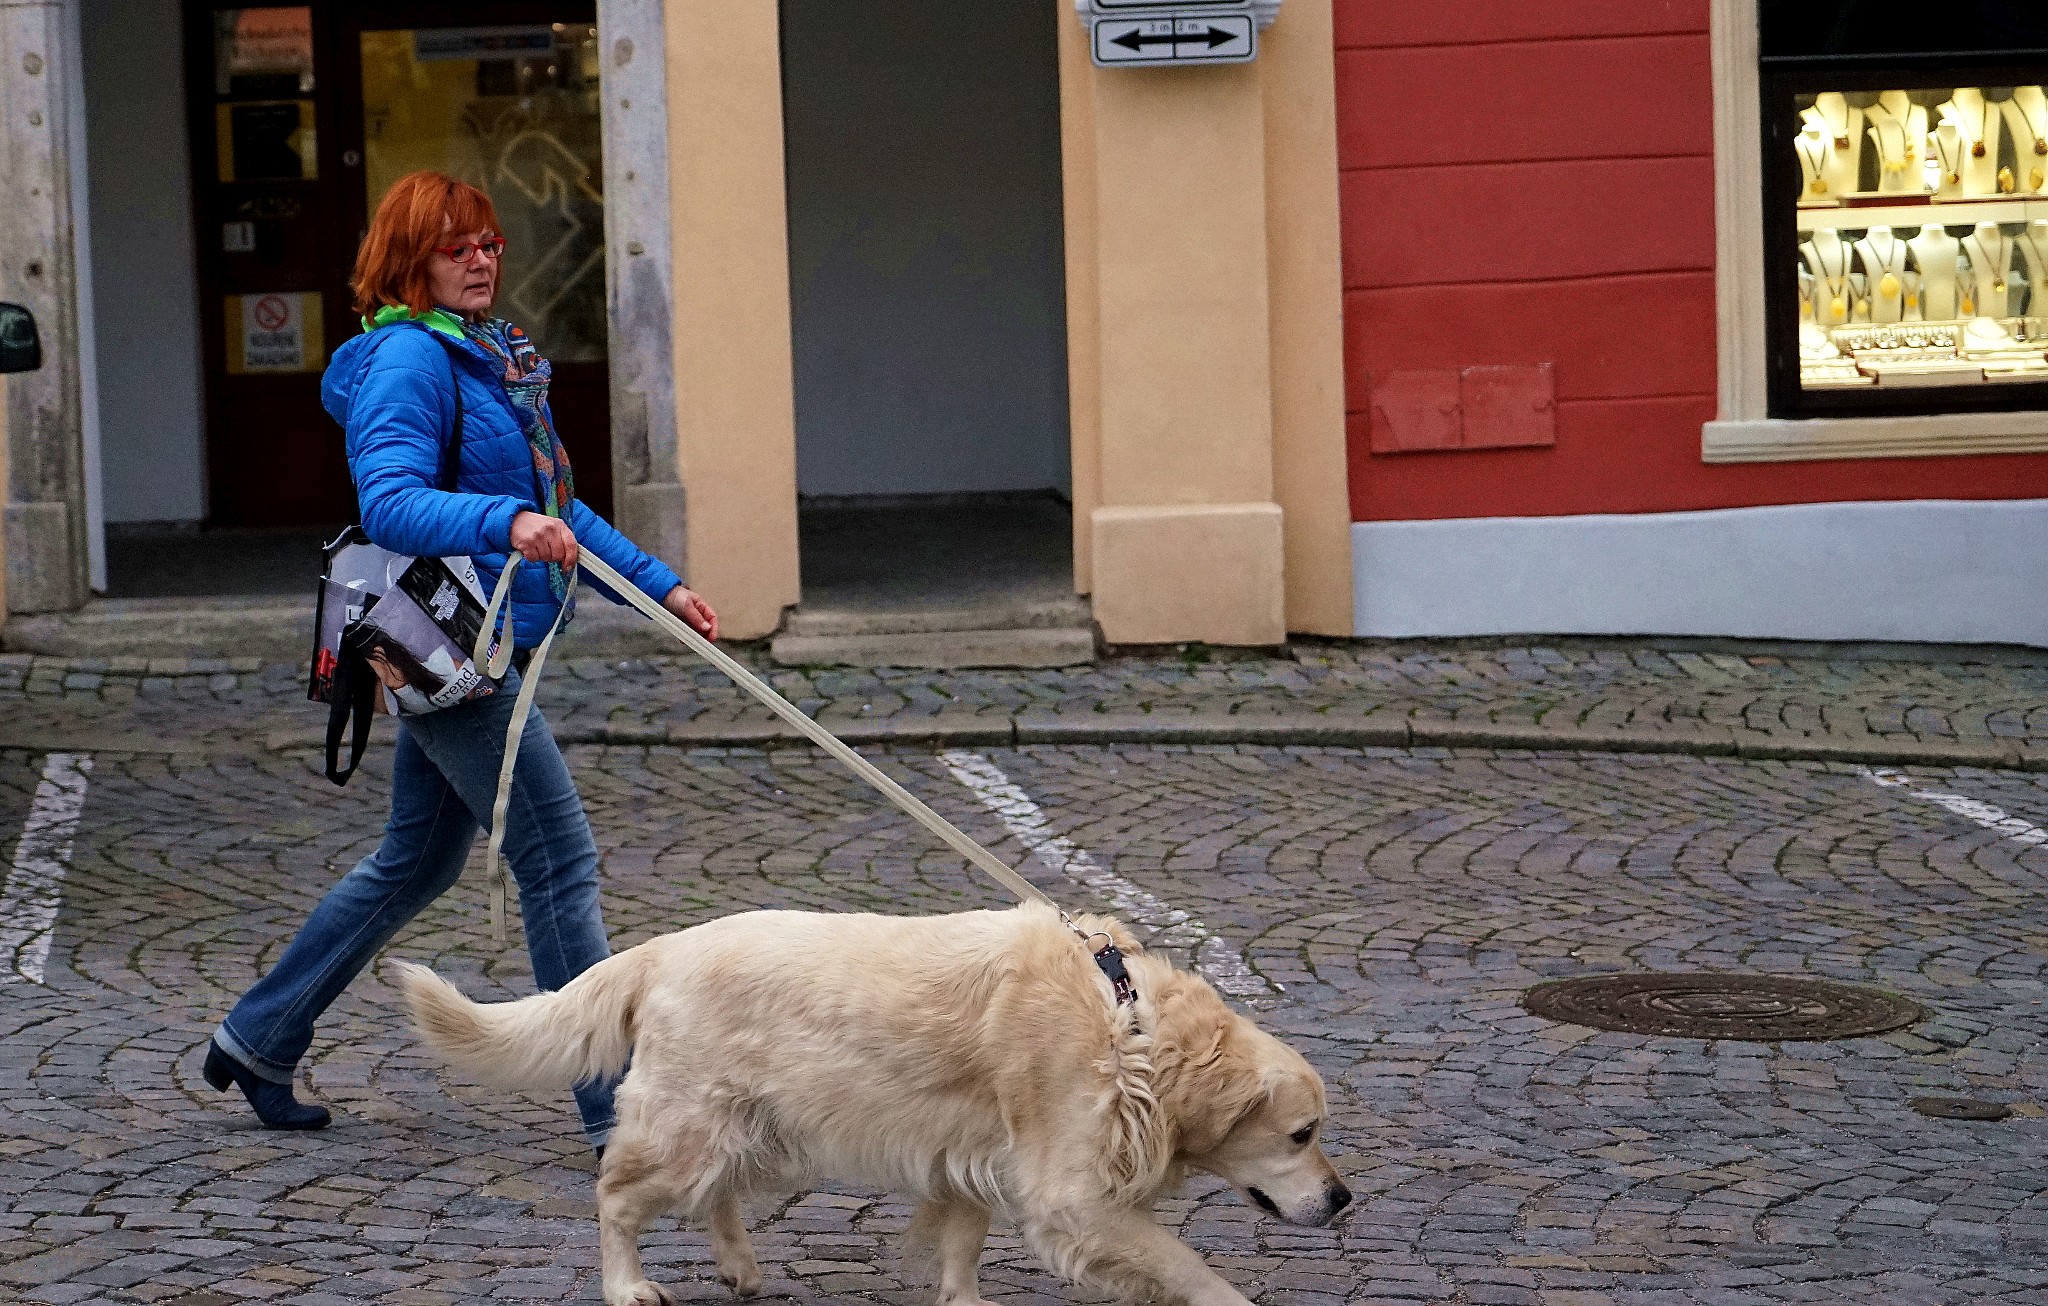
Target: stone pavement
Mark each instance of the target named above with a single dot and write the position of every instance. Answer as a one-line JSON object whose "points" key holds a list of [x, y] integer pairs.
{"points": [[1393, 903], [1954, 706]]}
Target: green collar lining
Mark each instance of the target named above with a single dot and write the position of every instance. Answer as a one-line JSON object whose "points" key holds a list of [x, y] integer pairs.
{"points": [[436, 319]]}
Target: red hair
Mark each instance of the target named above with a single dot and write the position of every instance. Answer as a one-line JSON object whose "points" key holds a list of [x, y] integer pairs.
{"points": [[412, 218]]}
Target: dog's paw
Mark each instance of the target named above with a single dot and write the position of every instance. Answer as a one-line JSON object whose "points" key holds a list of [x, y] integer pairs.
{"points": [[744, 1282], [644, 1293]]}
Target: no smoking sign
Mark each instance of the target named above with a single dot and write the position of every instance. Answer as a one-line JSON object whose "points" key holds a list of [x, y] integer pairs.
{"points": [[275, 332], [272, 313]]}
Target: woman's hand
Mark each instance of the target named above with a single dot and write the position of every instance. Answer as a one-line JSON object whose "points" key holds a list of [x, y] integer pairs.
{"points": [[542, 538], [691, 607]]}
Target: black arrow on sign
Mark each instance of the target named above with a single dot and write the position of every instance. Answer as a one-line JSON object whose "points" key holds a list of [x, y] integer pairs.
{"points": [[1213, 37]]}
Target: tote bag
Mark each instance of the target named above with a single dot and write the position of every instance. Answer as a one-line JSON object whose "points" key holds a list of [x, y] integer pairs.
{"points": [[399, 634]]}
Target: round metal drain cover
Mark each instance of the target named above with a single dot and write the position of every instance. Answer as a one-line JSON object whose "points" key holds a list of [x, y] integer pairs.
{"points": [[1960, 1108], [1707, 1004]]}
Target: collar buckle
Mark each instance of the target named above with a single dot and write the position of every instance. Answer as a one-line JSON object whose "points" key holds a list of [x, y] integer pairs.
{"points": [[1110, 959]]}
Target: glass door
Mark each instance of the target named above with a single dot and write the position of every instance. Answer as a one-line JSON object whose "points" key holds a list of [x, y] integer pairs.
{"points": [[272, 264], [512, 108], [301, 117]]}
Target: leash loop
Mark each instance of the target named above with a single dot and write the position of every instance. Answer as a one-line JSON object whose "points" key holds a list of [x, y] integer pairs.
{"points": [[494, 860]]}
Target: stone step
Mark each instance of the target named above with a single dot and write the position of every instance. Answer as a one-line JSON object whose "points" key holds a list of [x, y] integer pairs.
{"points": [[1037, 614], [275, 629], [945, 650]]}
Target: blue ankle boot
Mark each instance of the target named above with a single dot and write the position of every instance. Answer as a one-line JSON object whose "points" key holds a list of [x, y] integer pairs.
{"points": [[274, 1103]]}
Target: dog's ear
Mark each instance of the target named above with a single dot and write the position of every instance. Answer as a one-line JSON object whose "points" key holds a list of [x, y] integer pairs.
{"points": [[1220, 1089]]}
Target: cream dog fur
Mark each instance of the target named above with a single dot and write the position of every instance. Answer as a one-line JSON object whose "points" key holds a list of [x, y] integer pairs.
{"points": [[976, 1061]]}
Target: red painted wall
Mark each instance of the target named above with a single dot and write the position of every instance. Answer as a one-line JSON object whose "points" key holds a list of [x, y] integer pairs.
{"points": [[1531, 182]]}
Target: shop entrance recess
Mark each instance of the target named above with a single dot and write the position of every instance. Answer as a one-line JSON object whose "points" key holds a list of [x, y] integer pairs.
{"points": [[928, 317], [302, 116]]}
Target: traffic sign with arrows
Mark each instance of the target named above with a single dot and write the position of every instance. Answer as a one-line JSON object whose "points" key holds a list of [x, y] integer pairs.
{"points": [[1168, 38]]}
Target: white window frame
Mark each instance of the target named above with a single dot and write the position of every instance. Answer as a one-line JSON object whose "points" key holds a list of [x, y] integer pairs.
{"points": [[1744, 432]]}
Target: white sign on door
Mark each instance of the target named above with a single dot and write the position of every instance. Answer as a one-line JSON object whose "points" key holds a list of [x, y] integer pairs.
{"points": [[278, 332]]}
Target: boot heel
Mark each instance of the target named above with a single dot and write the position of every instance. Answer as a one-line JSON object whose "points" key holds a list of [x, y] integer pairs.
{"points": [[216, 1068]]}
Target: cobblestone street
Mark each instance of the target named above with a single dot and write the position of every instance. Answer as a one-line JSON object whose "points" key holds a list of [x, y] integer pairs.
{"points": [[1391, 904]]}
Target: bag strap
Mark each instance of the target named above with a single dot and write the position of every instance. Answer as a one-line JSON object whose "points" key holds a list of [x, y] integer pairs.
{"points": [[355, 693], [451, 457]]}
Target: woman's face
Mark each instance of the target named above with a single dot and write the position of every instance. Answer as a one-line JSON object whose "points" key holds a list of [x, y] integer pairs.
{"points": [[387, 675], [467, 287]]}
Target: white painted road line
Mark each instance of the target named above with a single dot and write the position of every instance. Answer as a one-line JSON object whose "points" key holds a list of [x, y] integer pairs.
{"points": [[1223, 965], [2024, 833], [34, 891]]}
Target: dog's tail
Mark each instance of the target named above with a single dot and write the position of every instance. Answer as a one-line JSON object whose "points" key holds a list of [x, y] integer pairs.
{"points": [[582, 1031]]}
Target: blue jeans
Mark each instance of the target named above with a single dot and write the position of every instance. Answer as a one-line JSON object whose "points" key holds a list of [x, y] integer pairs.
{"points": [[443, 782]]}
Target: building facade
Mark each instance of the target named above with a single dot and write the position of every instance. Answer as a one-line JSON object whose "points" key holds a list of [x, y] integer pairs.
{"points": [[1428, 321], [1573, 278]]}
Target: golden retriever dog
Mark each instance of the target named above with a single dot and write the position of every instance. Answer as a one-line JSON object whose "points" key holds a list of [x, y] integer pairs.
{"points": [[978, 1062]]}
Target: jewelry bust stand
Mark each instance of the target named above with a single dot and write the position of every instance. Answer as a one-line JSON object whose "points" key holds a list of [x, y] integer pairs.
{"points": [[2026, 114], [1948, 149], [1841, 125], [1935, 254], [1883, 256], [1815, 153], [2033, 245], [1990, 251], [1898, 128], [1978, 127], [1827, 257]]}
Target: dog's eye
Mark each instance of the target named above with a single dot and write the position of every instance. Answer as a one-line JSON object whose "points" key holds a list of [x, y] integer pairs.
{"points": [[1301, 1136]]}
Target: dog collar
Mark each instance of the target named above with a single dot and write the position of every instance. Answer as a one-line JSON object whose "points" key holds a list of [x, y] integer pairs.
{"points": [[1111, 959]]}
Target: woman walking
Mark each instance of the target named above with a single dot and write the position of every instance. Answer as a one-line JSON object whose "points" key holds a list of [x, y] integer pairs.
{"points": [[425, 280]]}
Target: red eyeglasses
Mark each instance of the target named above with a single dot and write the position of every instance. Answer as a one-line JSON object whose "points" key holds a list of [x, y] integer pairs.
{"points": [[495, 247]]}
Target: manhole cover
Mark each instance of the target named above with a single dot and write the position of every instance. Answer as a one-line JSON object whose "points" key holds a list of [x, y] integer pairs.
{"points": [[1960, 1108], [1754, 1008]]}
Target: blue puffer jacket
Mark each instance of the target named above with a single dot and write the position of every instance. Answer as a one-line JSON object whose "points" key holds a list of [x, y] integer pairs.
{"points": [[389, 390]]}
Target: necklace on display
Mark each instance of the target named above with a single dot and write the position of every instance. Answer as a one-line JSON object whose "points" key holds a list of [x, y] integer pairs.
{"points": [[2037, 246], [1836, 283], [1888, 284], [1951, 168], [2037, 127], [1840, 129], [1998, 262], [1891, 161], [1814, 160]]}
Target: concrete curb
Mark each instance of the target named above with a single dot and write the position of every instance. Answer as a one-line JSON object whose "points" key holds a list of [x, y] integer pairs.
{"points": [[963, 730]]}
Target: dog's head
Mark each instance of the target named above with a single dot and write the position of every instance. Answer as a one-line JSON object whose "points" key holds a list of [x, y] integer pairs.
{"points": [[1246, 1107]]}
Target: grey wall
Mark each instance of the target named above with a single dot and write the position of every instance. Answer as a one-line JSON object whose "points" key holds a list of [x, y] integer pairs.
{"points": [[925, 245], [144, 284]]}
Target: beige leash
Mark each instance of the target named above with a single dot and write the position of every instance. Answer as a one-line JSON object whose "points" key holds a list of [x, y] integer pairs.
{"points": [[948, 833]]}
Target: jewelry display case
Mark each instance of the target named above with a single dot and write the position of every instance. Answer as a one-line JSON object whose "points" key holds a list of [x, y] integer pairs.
{"points": [[1906, 222]]}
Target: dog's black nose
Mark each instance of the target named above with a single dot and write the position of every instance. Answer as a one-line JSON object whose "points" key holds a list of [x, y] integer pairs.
{"points": [[1339, 1197]]}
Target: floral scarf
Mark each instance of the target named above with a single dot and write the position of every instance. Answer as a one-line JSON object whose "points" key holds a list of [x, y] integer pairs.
{"points": [[526, 375]]}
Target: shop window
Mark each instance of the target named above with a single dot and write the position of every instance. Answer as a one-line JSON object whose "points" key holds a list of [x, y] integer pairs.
{"points": [[1906, 211]]}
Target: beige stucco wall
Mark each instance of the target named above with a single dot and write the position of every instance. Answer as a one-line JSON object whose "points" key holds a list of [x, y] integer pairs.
{"points": [[1304, 253], [1206, 342], [1084, 335], [735, 407]]}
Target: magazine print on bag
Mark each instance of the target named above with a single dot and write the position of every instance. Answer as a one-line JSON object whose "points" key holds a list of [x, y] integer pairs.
{"points": [[416, 640], [410, 623]]}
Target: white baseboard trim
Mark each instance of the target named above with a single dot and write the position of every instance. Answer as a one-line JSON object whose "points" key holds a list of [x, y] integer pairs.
{"points": [[1940, 570]]}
